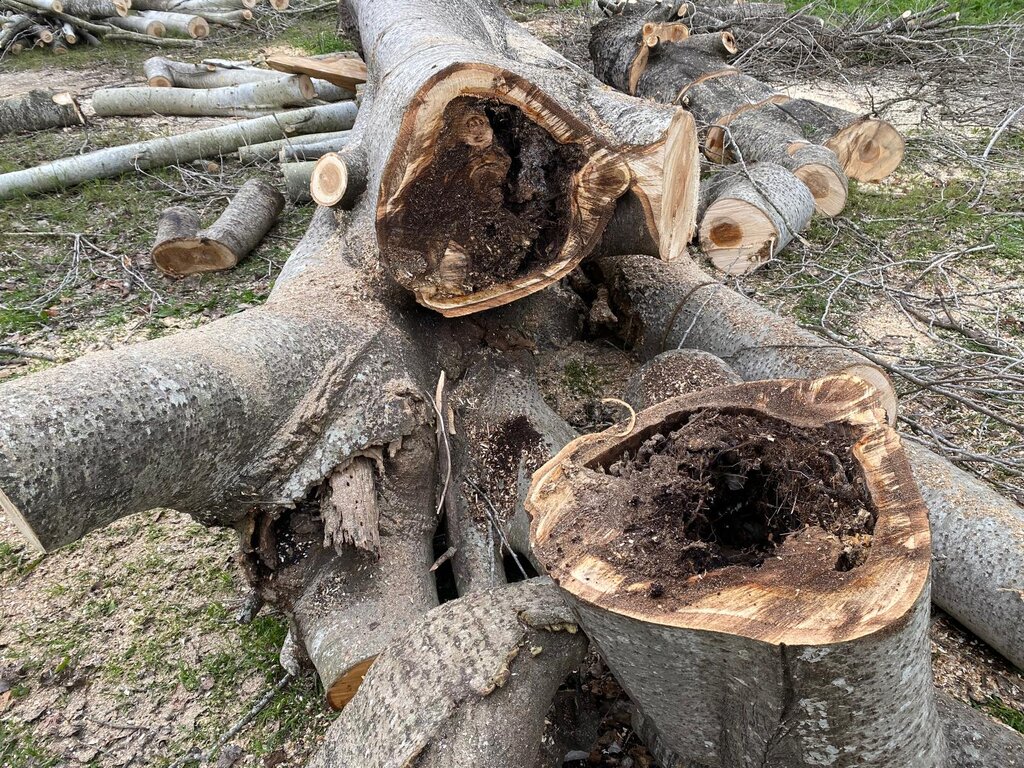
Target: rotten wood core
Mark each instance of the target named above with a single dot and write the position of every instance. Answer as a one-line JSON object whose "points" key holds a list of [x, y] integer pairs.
{"points": [[494, 203]]}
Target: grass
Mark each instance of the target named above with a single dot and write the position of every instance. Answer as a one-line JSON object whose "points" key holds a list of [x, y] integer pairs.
{"points": [[971, 11], [318, 38], [582, 378], [1012, 717]]}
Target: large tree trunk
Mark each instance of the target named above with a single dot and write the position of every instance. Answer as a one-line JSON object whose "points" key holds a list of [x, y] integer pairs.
{"points": [[488, 95], [735, 683], [978, 534]]}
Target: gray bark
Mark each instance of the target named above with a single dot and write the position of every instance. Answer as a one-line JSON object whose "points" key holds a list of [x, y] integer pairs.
{"points": [[184, 24], [95, 9], [182, 148], [271, 150], [239, 100], [38, 110], [296, 180], [468, 685], [314, 151], [137, 24]]}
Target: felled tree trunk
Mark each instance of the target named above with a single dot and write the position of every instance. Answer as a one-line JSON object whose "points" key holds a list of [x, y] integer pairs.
{"points": [[166, 73], [137, 24], [489, 96], [468, 685], [182, 249], [677, 305], [296, 180], [314, 150], [95, 9], [184, 24], [789, 663], [271, 150], [245, 99], [38, 110], [748, 214]]}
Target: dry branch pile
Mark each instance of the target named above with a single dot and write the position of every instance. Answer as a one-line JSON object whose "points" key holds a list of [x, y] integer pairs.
{"points": [[754, 556]]}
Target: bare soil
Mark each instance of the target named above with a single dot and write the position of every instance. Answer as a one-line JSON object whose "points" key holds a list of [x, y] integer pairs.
{"points": [[728, 489]]}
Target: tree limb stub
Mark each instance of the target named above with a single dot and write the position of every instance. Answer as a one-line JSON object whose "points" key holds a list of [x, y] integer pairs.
{"points": [[775, 639]]}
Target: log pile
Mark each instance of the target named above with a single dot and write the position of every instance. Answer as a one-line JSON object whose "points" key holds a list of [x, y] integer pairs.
{"points": [[753, 552], [790, 156], [57, 24]]}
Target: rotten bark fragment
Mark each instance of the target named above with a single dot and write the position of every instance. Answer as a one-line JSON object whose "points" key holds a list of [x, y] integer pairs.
{"points": [[349, 508]]}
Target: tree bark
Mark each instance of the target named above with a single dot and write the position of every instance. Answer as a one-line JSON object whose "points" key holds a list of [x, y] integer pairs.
{"points": [[296, 180], [314, 150], [749, 214], [181, 249], [246, 99], [38, 110], [164, 73], [271, 150], [468, 685], [210, 142], [95, 9], [734, 685]]}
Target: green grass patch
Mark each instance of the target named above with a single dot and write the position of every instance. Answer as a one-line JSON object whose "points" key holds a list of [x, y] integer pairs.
{"points": [[317, 39], [999, 710], [582, 378], [971, 11]]}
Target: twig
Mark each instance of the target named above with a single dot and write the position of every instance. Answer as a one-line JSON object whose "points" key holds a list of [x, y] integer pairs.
{"points": [[10, 351]]}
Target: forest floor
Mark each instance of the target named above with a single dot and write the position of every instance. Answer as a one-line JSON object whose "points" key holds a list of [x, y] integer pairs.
{"points": [[123, 649]]}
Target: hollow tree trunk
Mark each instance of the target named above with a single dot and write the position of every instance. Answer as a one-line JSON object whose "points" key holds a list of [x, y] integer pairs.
{"points": [[678, 305], [747, 118], [485, 81], [38, 110], [210, 142], [735, 683], [245, 99], [468, 685], [182, 249], [749, 214]]}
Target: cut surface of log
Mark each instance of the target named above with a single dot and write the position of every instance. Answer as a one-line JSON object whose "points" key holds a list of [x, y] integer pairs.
{"points": [[210, 142], [344, 71], [249, 216], [38, 110], [751, 214], [339, 178], [759, 610], [244, 99], [469, 685]]}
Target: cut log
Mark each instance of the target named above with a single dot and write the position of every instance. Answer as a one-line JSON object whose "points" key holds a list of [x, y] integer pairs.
{"points": [[297, 178], [42, 35], [271, 150], [137, 24], [339, 178], [54, 6], [750, 214], [344, 71], [233, 19], [294, 152], [96, 9], [70, 35], [183, 148], [739, 113], [468, 685], [185, 24], [181, 250], [246, 99], [622, 47], [868, 148], [778, 630], [166, 73], [57, 46], [678, 305], [38, 110]]}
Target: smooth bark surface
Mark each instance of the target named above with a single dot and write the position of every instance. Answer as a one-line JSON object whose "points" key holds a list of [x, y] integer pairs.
{"points": [[38, 110], [239, 100]]}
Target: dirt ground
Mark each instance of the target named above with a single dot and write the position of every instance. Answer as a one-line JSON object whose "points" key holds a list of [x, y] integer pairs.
{"points": [[124, 650]]}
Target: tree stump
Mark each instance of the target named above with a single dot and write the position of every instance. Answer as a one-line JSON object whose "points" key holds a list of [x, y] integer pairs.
{"points": [[766, 543]]}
